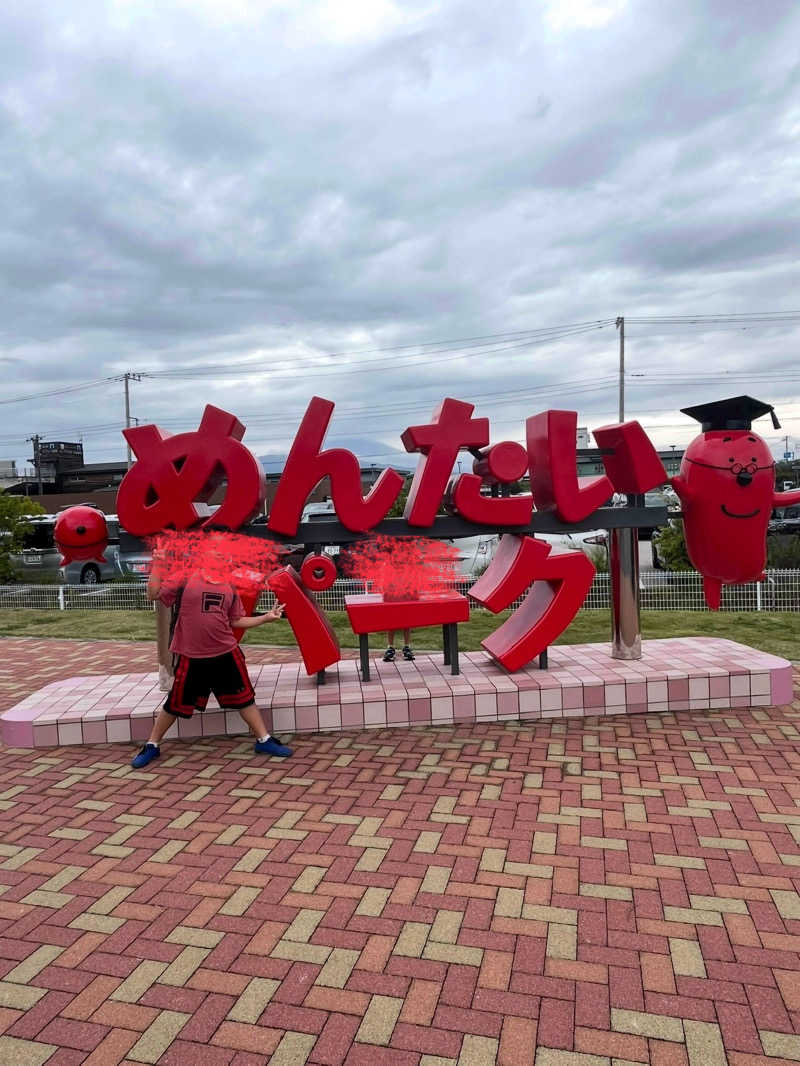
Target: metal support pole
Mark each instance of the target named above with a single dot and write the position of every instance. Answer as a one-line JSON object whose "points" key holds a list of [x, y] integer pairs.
{"points": [[452, 643], [126, 378], [363, 645], [38, 447], [626, 630], [621, 327]]}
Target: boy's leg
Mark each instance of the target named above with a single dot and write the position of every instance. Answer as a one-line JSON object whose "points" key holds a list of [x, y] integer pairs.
{"points": [[407, 652], [254, 718], [233, 685], [388, 655], [184, 696], [265, 744], [160, 726], [152, 749]]}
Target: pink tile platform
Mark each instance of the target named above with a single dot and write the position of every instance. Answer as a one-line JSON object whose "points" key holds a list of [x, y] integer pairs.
{"points": [[686, 673]]}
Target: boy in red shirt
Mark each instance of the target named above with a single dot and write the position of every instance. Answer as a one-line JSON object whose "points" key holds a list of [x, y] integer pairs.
{"points": [[209, 659]]}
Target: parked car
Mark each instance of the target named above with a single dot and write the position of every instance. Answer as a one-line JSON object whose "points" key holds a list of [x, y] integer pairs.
{"points": [[92, 571], [133, 565], [39, 559], [785, 520]]}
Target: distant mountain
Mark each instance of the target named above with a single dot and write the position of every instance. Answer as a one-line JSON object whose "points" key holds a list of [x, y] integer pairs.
{"points": [[370, 452]]}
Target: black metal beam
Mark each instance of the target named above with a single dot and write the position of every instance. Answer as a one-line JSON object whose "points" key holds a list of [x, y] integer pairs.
{"points": [[331, 531]]}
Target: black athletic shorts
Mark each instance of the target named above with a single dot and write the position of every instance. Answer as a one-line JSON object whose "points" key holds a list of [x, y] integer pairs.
{"points": [[195, 679]]}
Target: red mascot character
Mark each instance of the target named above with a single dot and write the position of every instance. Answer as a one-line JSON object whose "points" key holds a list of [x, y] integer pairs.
{"points": [[726, 486]]}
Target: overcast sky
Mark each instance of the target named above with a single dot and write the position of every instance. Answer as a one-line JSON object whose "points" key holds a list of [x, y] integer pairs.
{"points": [[299, 185]]}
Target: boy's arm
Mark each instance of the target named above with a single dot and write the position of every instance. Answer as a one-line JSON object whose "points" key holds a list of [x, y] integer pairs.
{"points": [[153, 585], [259, 619]]}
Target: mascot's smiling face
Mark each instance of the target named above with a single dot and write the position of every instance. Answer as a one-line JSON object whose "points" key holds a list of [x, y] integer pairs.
{"points": [[733, 470]]}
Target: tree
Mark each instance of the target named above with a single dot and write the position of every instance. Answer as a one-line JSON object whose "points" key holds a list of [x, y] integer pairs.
{"points": [[14, 513], [399, 504], [783, 552], [671, 546]]}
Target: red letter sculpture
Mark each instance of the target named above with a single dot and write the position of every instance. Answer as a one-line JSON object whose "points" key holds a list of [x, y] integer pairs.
{"points": [[307, 465], [452, 429], [632, 465], [175, 472], [727, 491], [502, 464], [315, 638], [552, 442], [557, 583]]}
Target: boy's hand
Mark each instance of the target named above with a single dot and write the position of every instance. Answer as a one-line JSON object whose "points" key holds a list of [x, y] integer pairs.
{"points": [[275, 614]]}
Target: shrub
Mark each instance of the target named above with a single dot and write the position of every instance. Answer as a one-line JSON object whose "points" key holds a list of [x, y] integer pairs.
{"points": [[14, 513], [671, 546], [783, 552]]}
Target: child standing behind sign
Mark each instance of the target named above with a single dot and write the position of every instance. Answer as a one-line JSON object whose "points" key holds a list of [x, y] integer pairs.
{"points": [[209, 659]]}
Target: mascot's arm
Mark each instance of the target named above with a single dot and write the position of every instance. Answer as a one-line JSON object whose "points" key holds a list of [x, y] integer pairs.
{"points": [[784, 499], [680, 487]]}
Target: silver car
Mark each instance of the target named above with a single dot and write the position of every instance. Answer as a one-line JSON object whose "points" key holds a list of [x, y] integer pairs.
{"points": [[40, 560], [92, 571]]}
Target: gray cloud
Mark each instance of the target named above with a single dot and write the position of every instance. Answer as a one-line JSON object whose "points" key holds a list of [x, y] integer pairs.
{"points": [[207, 183]]}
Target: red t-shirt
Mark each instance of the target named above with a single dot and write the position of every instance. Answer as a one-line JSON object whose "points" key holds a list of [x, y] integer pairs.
{"points": [[204, 622]]}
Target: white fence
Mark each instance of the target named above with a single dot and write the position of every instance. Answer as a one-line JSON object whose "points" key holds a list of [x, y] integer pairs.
{"points": [[661, 590]]}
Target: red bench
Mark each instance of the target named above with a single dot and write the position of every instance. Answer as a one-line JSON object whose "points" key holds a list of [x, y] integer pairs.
{"points": [[371, 613]]}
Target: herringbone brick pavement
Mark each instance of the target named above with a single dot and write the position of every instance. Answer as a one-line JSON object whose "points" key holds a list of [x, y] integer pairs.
{"points": [[583, 893]]}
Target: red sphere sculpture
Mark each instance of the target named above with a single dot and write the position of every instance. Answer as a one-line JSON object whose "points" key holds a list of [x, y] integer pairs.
{"points": [[81, 533]]}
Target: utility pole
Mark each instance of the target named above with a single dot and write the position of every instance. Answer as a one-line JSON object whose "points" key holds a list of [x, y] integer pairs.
{"points": [[127, 377], [621, 327], [37, 462]]}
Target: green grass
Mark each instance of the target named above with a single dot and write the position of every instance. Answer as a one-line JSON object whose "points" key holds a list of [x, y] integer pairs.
{"points": [[776, 633]]}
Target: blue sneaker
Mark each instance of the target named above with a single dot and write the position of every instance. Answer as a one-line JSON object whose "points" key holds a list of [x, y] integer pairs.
{"points": [[145, 756], [272, 746]]}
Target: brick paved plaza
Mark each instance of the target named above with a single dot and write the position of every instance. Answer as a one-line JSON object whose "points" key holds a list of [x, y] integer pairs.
{"points": [[597, 892]]}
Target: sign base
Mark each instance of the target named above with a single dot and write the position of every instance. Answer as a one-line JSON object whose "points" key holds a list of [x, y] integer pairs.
{"points": [[678, 674]]}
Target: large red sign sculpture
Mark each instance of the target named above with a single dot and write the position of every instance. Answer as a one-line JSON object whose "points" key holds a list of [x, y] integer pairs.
{"points": [[726, 486]]}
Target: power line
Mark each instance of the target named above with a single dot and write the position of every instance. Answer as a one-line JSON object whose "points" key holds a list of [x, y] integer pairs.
{"points": [[356, 412], [485, 340], [488, 342], [423, 359], [492, 343], [747, 317], [62, 391]]}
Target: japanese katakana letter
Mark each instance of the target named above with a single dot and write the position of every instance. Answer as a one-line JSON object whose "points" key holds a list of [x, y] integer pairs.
{"points": [[632, 463], [307, 465], [315, 638], [557, 582], [451, 429], [172, 473], [552, 443], [502, 464]]}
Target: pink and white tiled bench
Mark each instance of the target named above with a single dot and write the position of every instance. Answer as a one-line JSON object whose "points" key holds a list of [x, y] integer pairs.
{"points": [[687, 673]]}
